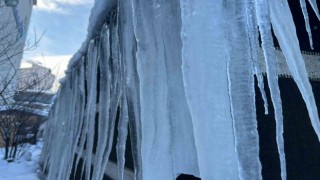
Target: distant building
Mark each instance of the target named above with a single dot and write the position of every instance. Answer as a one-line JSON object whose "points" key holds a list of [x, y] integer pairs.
{"points": [[29, 105], [35, 78]]}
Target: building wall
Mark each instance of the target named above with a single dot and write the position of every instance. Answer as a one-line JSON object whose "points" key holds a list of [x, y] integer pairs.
{"points": [[36, 78], [14, 24]]}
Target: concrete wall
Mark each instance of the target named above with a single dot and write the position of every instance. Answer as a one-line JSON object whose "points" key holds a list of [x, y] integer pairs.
{"points": [[14, 24]]}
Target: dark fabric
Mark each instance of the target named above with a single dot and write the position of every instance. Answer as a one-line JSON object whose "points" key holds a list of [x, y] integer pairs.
{"points": [[302, 147]]}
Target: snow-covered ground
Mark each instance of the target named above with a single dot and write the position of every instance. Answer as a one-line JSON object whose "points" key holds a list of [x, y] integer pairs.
{"points": [[24, 168]]}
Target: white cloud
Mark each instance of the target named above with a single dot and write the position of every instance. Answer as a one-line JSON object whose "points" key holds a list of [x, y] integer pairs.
{"points": [[56, 5]]}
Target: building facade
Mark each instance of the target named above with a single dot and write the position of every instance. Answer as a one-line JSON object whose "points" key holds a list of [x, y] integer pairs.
{"points": [[14, 23], [35, 78]]}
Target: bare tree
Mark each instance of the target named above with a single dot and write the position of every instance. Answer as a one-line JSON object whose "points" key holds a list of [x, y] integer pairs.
{"points": [[12, 47], [18, 123], [15, 115]]}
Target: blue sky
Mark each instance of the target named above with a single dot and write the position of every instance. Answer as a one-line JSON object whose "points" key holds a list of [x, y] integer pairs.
{"points": [[64, 23]]}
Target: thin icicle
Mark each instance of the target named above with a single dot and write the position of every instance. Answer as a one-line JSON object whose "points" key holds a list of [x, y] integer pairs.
{"points": [[80, 117], [91, 77], [315, 7], [306, 20], [254, 47], [272, 75], [84, 120], [122, 135], [104, 102], [280, 14]]}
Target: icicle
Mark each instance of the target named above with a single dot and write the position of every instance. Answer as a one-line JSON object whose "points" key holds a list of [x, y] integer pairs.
{"points": [[156, 132], [164, 108], [80, 118], [131, 79], [204, 55], [183, 148], [306, 20], [59, 165], [68, 155], [48, 137], [272, 75], [115, 91], [104, 103], [241, 91], [254, 47], [122, 135], [280, 14], [91, 77], [315, 7], [76, 119], [178, 117], [84, 120]]}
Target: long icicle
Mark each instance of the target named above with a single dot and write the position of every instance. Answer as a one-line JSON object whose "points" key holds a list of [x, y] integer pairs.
{"points": [[280, 14], [253, 35], [211, 121], [306, 20], [122, 135], [115, 88], [241, 92], [91, 109], [272, 75], [315, 7], [128, 48], [104, 101]]}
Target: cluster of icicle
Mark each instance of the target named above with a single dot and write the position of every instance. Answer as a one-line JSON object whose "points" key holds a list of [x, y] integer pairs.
{"points": [[182, 73]]}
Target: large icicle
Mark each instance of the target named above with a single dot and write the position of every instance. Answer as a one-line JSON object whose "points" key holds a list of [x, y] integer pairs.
{"points": [[183, 148], [306, 20], [280, 15], [272, 75], [156, 134], [241, 90], [104, 103], [127, 43], [60, 165], [167, 126], [115, 87], [204, 68]]}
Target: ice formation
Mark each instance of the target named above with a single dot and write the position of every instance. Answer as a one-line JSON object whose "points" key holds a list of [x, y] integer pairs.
{"points": [[180, 76]]}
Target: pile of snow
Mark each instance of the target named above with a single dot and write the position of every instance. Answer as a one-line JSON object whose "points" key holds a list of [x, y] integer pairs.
{"points": [[24, 167]]}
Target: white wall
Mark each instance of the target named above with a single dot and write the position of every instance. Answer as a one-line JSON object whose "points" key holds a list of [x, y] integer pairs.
{"points": [[14, 24]]}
